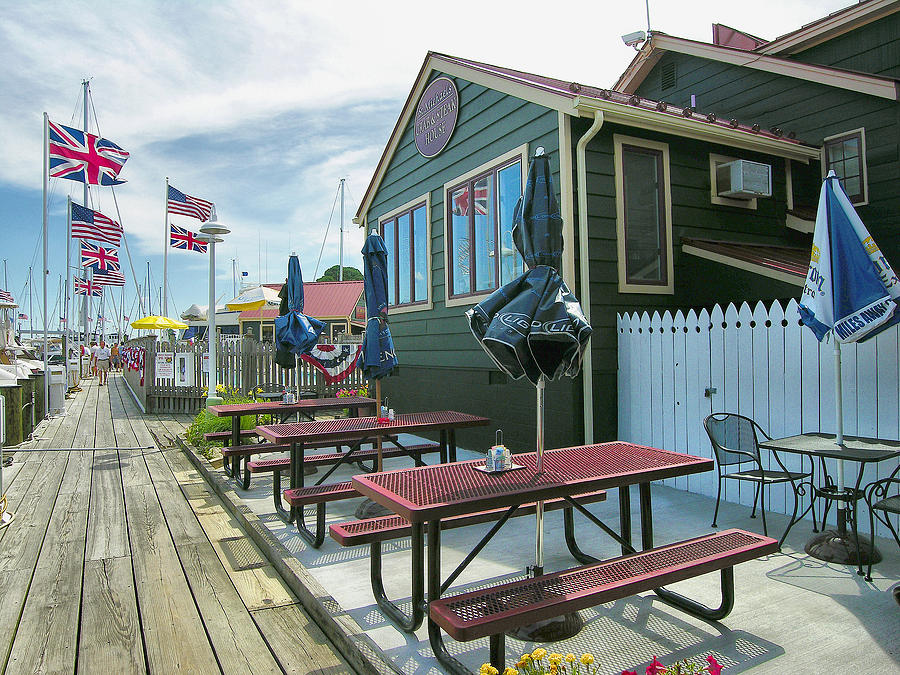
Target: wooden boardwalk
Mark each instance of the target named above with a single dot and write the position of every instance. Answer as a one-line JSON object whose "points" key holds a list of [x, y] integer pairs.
{"points": [[122, 560]]}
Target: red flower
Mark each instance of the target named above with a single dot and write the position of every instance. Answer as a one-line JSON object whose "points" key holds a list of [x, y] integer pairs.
{"points": [[714, 668], [656, 668], [629, 672]]}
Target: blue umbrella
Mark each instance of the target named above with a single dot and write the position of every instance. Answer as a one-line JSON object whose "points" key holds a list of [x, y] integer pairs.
{"points": [[378, 357], [295, 332], [850, 291]]}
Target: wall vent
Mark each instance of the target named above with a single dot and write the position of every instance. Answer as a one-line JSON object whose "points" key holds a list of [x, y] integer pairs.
{"points": [[668, 76]]}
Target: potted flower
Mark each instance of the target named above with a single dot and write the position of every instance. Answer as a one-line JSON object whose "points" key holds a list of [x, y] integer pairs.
{"points": [[559, 664]]}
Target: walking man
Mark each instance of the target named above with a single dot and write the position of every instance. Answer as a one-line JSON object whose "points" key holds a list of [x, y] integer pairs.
{"points": [[94, 349], [102, 361], [114, 354]]}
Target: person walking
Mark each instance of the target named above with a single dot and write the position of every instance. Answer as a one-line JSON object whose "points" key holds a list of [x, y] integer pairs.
{"points": [[114, 355], [94, 349], [102, 362]]}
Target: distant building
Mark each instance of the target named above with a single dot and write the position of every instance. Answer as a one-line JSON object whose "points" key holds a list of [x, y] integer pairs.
{"points": [[340, 304]]}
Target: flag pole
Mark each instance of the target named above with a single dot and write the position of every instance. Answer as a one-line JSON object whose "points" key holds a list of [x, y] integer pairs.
{"points": [[68, 282], [165, 306], [46, 271]]}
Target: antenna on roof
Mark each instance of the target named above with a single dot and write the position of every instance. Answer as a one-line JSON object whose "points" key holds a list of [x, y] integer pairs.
{"points": [[647, 5]]}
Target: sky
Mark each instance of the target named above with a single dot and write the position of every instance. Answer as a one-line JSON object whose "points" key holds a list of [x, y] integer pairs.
{"points": [[263, 107]]}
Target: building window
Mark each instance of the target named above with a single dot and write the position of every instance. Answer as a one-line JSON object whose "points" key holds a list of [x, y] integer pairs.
{"points": [[644, 220], [846, 155], [405, 231], [480, 253]]}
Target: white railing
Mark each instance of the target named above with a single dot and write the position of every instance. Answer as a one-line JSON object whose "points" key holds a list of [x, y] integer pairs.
{"points": [[675, 369]]}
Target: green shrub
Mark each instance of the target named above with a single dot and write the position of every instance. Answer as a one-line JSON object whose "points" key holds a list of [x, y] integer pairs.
{"points": [[206, 423]]}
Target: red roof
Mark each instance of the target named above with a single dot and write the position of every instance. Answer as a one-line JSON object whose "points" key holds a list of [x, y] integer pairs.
{"points": [[321, 299], [788, 260]]}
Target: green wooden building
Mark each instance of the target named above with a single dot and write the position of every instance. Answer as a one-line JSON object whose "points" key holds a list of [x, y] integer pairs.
{"points": [[647, 226]]}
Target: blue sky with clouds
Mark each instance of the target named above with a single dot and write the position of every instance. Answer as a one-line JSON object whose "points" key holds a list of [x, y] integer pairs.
{"points": [[262, 107]]}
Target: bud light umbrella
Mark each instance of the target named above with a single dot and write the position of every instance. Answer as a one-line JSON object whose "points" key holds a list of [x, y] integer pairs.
{"points": [[850, 292], [534, 325], [296, 333], [378, 356]]}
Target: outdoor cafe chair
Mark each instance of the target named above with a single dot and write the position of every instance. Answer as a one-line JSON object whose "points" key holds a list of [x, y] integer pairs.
{"points": [[881, 504], [735, 441]]}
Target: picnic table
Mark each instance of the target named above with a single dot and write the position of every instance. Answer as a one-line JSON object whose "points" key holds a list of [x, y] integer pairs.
{"points": [[308, 407], [426, 495], [362, 430]]}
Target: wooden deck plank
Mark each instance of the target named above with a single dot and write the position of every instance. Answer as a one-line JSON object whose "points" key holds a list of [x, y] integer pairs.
{"points": [[130, 432], [107, 533], [238, 644], [47, 636], [14, 585], [298, 643], [168, 614], [110, 630]]}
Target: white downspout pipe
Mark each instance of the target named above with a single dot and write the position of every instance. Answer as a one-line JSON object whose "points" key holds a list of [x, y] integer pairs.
{"points": [[587, 377]]}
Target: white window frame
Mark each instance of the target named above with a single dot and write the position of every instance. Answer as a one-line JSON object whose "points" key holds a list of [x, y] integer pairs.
{"points": [[864, 175], [714, 161], [620, 140], [429, 303], [520, 152]]}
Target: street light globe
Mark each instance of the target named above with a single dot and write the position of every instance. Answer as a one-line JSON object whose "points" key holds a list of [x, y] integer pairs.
{"points": [[213, 226]]}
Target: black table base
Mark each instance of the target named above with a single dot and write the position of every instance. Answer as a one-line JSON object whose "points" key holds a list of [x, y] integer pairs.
{"points": [[844, 549]]}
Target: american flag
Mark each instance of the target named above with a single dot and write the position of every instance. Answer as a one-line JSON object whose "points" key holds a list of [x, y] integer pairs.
{"points": [[88, 224], [83, 157], [23, 316], [87, 287], [6, 296], [99, 258], [109, 278], [182, 238], [186, 205]]}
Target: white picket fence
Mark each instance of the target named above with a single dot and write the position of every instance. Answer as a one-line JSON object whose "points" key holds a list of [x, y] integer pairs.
{"points": [[674, 370]]}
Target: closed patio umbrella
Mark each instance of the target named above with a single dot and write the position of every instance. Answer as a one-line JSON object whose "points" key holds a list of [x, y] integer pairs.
{"points": [[534, 326], [296, 333], [851, 293]]}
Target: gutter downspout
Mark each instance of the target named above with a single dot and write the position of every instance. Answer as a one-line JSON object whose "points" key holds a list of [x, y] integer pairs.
{"points": [[587, 378]]}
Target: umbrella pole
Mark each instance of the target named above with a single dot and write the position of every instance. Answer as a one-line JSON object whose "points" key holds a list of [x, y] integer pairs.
{"points": [[378, 414], [539, 507]]}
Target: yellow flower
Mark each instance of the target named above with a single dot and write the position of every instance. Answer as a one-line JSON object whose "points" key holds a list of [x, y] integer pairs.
{"points": [[526, 658], [570, 658], [510, 671], [539, 653], [555, 659], [259, 390], [587, 658], [488, 669]]}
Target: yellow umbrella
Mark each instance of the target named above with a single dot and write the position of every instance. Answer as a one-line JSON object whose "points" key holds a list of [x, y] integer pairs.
{"points": [[254, 298], [157, 322]]}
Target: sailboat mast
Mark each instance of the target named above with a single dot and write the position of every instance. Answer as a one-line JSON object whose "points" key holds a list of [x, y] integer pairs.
{"points": [[341, 260]]}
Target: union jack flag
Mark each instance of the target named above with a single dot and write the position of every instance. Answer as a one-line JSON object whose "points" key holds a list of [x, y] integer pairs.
{"points": [[109, 278], [102, 259], [461, 200], [83, 157], [87, 287], [6, 296], [179, 237], [185, 205], [88, 224]]}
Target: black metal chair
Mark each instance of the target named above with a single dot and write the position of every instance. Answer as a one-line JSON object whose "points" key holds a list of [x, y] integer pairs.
{"points": [[881, 504], [735, 441]]}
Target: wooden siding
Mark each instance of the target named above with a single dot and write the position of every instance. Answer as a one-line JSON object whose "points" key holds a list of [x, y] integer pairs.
{"points": [[812, 111], [441, 364]]}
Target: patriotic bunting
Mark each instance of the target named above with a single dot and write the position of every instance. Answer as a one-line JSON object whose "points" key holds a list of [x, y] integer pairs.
{"points": [[79, 156], [88, 224], [335, 362]]}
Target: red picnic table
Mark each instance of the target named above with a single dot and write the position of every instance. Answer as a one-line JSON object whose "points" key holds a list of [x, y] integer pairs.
{"points": [[307, 407], [363, 430], [426, 495]]}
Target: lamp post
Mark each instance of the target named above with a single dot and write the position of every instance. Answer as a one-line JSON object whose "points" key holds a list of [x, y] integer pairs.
{"points": [[211, 230]]}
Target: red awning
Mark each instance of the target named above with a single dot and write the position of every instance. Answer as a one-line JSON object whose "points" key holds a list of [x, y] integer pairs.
{"points": [[785, 263]]}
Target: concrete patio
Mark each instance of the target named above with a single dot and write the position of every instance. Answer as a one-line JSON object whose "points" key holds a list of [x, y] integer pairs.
{"points": [[792, 613]]}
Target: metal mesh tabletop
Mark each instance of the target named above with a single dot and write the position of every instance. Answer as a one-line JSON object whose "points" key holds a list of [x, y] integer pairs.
{"points": [[426, 493], [406, 423], [855, 449], [303, 405]]}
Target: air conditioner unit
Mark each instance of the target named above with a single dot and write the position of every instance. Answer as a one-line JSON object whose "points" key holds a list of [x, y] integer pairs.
{"points": [[742, 179]]}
